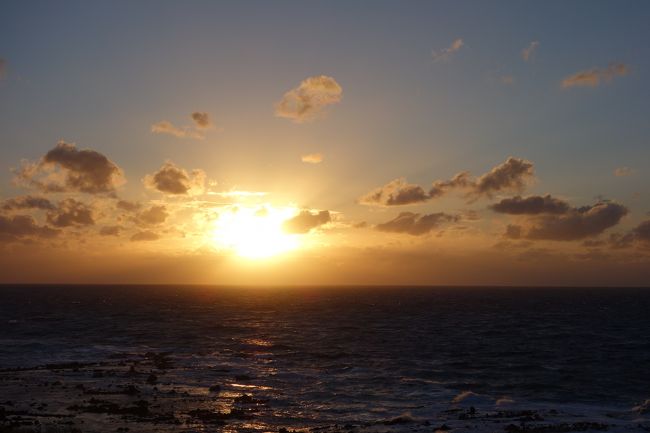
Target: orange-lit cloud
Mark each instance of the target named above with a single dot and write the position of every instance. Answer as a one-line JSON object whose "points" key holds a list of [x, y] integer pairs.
{"points": [[144, 236], [444, 54], [155, 215], [27, 202], [312, 158], [201, 122], [67, 169], [71, 212], [593, 77], [309, 100], [170, 179]]}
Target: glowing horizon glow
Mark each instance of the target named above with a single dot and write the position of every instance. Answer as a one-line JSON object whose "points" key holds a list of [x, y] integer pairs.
{"points": [[255, 232]]}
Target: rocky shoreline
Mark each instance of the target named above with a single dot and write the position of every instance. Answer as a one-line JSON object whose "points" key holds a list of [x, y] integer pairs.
{"points": [[150, 392]]}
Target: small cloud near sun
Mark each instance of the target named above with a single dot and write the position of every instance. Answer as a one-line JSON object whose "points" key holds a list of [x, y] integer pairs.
{"points": [[312, 158], [309, 100]]}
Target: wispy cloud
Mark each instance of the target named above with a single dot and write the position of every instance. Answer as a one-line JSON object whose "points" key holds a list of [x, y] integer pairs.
{"points": [[529, 52], [312, 158], [446, 53], [593, 77], [201, 123], [309, 100], [624, 171]]}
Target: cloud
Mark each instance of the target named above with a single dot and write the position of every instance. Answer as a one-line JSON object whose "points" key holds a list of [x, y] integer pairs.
{"points": [[624, 171], [531, 205], [444, 54], [312, 158], [305, 221], [166, 127], [415, 224], [17, 227], [642, 231], [71, 212], [170, 179], [577, 223], [145, 235], [507, 79], [67, 169], [3, 69], [129, 206], [201, 120], [27, 202], [512, 175], [110, 231], [528, 52], [593, 77], [309, 100], [395, 193], [461, 180], [513, 231], [153, 216]]}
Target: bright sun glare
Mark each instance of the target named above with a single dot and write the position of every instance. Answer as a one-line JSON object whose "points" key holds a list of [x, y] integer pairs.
{"points": [[255, 232]]}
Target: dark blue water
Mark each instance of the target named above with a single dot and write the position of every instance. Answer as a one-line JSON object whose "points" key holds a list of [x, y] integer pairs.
{"points": [[350, 348]]}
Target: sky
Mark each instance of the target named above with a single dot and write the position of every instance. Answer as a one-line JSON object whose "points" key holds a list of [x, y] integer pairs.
{"points": [[325, 142]]}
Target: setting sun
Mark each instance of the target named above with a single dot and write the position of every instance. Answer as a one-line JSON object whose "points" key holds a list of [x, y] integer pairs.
{"points": [[255, 232]]}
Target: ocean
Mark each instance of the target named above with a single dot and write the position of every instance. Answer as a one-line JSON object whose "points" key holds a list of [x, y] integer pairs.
{"points": [[199, 358]]}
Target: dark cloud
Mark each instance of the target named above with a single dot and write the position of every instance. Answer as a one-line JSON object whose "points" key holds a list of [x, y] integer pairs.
{"points": [[153, 216], [305, 221], [27, 202], [129, 206], [201, 119], [23, 226], [578, 223], [3, 69], [415, 224], [532, 205], [145, 235], [71, 212], [593, 77], [513, 174], [307, 101], [67, 169], [461, 180], [110, 231], [171, 179], [395, 193]]}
